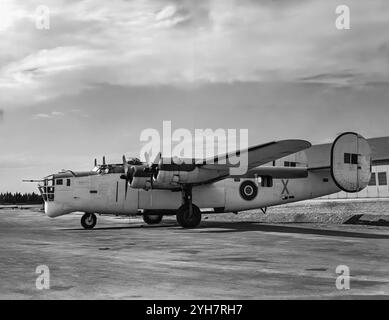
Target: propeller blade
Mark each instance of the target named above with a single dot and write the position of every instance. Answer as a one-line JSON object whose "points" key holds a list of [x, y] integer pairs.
{"points": [[125, 189], [147, 157], [157, 158], [125, 165]]}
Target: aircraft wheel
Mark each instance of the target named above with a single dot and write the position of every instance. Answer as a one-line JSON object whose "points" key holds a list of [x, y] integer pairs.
{"points": [[152, 218], [183, 218], [88, 220]]}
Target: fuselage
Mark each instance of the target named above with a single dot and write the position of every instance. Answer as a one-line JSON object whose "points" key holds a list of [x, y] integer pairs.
{"points": [[105, 194]]}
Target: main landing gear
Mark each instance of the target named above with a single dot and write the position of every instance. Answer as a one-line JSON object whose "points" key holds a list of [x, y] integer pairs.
{"points": [[188, 215], [88, 220]]}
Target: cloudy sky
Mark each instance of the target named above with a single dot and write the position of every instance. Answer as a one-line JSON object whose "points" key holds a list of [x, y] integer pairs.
{"points": [[101, 74]]}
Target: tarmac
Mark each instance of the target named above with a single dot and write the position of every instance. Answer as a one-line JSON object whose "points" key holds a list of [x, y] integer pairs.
{"points": [[123, 258]]}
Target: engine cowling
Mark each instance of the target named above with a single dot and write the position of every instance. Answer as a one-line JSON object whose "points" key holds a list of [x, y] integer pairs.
{"points": [[171, 176], [140, 177], [351, 162]]}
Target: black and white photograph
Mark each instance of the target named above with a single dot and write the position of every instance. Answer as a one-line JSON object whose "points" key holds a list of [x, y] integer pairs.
{"points": [[188, 151]]}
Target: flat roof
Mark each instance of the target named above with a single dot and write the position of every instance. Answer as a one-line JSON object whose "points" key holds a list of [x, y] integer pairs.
{"points": [[380, 148]]}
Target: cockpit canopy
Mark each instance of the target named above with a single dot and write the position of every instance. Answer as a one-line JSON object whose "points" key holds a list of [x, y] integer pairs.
{"points": [[114, 168]]}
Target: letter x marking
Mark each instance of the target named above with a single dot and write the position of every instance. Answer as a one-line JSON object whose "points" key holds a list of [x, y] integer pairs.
{"points": [[285, 188]]}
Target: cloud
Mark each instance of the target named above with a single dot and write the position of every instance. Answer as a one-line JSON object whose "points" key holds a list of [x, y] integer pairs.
{"points": [[165, 13], [53, 114], [182, 43]]}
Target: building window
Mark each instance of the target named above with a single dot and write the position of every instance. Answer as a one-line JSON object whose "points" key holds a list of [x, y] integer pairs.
{"points": [[382, 180], [68, 182], [372, 181], [290, 164], [59, 182]]}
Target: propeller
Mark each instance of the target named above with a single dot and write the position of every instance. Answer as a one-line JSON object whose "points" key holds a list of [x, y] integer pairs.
{"points": [[128, 174], [129, 171], [153, 167], [157, 159], [152, 164], [125, 176]]}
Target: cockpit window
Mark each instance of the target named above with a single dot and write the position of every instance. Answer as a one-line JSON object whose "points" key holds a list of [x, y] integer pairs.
{"points": [[134, 161], [47, 189], [110, 168]]}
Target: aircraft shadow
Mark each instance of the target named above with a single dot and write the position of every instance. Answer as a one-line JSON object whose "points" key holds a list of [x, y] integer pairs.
{"points": [[227, 227], [137, 226], [256, 226]]}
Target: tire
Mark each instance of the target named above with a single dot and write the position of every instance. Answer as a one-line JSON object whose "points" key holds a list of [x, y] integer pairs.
{"points": [[152, 218], [183, 219], [88, 220]]}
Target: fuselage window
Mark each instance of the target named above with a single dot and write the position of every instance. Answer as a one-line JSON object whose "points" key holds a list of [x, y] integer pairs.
{"points": [[351, 158], [59, 182], [290, 164], [267, 181], [68, 182]]}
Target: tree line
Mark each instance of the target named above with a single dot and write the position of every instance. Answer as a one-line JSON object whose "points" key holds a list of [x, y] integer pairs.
{"points": [[20, 198]]}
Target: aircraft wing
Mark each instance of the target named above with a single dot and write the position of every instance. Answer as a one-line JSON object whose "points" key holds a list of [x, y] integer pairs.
{"points": [[256, 155], [205, 171], [277, 173]]}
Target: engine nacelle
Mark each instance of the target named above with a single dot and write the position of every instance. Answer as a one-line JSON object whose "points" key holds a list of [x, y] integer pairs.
{"points": [[351, 162], [140, 179], [177, 177]]}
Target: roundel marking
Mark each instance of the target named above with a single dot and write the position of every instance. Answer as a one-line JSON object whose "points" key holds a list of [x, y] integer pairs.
{"points": [[248, 190]]}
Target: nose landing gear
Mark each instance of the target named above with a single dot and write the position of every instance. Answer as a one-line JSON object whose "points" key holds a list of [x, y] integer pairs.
{"points": [[88, 220]]}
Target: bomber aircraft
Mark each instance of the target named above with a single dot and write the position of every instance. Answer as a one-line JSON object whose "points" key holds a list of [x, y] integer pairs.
{"points": [[190, 188]]}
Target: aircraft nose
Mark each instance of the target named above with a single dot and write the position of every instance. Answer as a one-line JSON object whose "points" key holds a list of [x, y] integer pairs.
{"points": [[53, 209]]}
